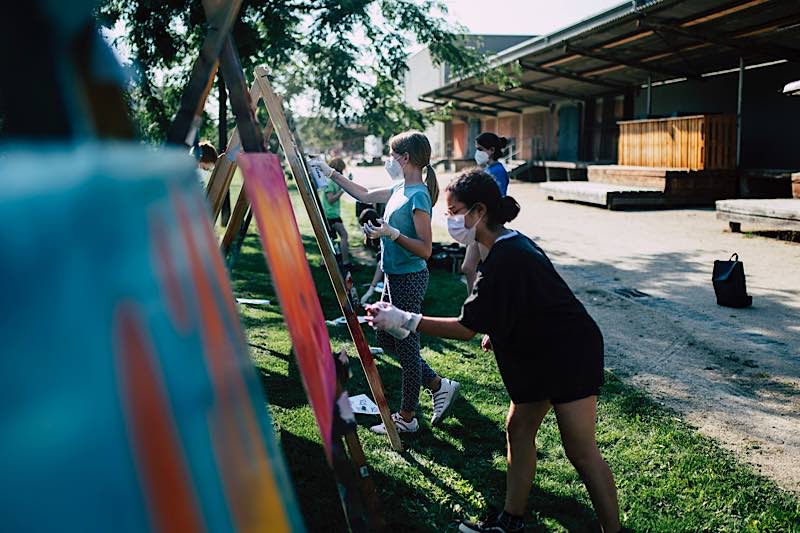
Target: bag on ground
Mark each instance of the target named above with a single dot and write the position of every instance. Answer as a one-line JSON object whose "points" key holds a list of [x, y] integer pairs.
{"points": [[729, 283]]}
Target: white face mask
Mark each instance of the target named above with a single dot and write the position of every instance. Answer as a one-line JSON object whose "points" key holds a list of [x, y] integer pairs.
{"points": [[481, 157], [459, 232], [393, 168]]}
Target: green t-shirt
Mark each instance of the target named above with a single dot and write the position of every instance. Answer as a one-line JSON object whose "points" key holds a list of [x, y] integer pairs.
{"points": [[332, 210], [400, 214]]}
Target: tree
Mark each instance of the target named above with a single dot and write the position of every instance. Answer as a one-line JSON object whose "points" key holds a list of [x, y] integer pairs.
{"points": [[307, 45]]}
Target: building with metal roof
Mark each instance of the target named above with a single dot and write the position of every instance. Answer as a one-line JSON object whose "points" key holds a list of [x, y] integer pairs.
{"points": [[640, 59]]}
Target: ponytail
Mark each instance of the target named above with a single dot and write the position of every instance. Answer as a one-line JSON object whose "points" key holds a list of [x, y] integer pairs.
{"points": [[432, 184], [509, 209]]}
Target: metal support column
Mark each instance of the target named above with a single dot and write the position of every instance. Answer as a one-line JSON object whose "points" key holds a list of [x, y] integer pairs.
{"points": [[739, 114]]}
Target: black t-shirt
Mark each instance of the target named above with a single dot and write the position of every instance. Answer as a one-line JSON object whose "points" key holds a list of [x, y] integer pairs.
{"points": [[546, 344]]}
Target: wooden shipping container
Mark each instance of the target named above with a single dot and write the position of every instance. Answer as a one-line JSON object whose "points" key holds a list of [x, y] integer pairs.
{"points": [[699, 142]]}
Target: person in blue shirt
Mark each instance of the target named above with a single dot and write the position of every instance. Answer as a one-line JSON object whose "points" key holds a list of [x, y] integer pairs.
{"points": [[406, 243], [488, 152]]}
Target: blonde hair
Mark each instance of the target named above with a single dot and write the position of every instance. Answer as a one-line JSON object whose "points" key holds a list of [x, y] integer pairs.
{"points": [[416, 145]]}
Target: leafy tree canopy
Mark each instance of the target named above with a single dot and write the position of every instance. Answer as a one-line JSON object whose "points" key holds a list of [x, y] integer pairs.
{"points": [[350, 54]]}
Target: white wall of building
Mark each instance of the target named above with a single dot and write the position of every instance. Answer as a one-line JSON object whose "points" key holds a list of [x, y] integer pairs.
{"points": [[423, 76]]}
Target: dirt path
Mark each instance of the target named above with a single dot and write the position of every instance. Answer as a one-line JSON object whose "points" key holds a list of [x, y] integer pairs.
{"points": [[646, 278]]}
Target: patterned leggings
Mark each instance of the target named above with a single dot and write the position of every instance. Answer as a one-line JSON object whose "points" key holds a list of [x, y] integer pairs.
{"points": [[406, 292]]}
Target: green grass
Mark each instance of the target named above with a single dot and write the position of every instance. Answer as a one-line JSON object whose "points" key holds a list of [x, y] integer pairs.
{"points": [[669, 477]]}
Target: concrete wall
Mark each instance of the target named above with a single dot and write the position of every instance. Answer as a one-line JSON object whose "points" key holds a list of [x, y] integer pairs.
{"points": [[423, 76], [770, 120]]}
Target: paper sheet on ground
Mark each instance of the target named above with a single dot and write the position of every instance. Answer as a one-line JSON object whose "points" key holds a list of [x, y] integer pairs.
{"points": [[363, 405], [252, 301]]}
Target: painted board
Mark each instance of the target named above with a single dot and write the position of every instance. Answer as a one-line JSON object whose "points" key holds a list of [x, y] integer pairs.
{"points": [[291, 276], [128, 401]]}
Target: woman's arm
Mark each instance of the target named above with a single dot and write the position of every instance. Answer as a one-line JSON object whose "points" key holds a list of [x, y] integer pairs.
{"points": [[423, 245], [361, 193], [448, 328]]}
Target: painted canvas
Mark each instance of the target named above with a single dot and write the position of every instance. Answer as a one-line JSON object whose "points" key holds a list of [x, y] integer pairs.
{"points": [[128, 401], [283, 248]]}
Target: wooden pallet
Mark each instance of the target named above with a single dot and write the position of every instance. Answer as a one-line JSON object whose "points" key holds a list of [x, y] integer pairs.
{"points": [[681, 186], [606, 195], [780, 214]]}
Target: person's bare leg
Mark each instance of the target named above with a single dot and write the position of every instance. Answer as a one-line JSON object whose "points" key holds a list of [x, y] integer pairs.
{"points": [[470, 265], [344, 247], [576, 422], [522, 423]]}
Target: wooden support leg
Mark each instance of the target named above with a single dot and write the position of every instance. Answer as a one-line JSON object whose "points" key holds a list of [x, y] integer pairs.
{"points": [[300, 173], [235, 225]]}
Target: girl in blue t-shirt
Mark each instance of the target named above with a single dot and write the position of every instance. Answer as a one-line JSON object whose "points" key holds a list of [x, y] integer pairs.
{"points": [[406, 242]]}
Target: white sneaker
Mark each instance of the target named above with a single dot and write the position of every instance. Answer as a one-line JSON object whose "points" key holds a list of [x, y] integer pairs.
{"points": [[443, 399], [400, 423]]}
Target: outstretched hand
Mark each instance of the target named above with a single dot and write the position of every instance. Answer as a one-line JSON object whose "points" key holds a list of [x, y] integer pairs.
{"points": [[319, 163]]}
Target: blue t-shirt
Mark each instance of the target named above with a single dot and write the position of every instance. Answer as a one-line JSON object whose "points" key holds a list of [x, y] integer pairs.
{"points": [[498, 172], [400, 214]]}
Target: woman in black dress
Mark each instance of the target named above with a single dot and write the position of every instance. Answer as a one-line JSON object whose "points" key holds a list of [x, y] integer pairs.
{"points": [[549, 350]]}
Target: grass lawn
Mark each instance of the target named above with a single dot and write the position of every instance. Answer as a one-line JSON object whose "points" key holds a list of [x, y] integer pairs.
{"points": [[669, 477]]}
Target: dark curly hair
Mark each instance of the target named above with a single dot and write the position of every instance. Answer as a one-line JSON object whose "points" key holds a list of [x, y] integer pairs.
{"points": [[474, 185]]}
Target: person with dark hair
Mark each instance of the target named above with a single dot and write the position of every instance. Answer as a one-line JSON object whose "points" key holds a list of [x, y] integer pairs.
{"points": [[406, 244], [205, 162], [370, 215], [549, 351], [488, 152]]}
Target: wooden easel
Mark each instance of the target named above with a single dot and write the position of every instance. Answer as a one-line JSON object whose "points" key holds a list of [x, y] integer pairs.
{"points": [[219, 51], [219, 183]]}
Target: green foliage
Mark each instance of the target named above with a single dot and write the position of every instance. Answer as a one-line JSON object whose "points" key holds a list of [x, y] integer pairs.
{"points": [[670, 478], [306, 46]]}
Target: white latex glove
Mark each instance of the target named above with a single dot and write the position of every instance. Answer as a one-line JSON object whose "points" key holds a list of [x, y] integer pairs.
{"points": [[319, 163], [386, 317], [367, 295], [383, 230]]}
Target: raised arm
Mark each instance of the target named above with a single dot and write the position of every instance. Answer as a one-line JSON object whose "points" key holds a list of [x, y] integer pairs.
{"points": [[361, 193]]}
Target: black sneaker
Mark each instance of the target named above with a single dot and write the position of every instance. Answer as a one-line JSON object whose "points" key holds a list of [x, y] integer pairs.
{"points": [[490, 522]]}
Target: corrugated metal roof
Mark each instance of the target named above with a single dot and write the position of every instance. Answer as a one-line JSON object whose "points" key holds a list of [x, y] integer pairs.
{"points": [[619, 49]]}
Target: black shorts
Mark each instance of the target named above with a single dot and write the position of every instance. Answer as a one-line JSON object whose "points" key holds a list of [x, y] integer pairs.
{"points": [[337, 220], [559, 372]]}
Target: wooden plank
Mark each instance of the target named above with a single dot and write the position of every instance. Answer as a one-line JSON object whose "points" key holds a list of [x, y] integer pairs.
{"points": [[221, 15], [220, 180], [235, 223], [783, 209], [300, 172], [759, 222], [697, 142]]}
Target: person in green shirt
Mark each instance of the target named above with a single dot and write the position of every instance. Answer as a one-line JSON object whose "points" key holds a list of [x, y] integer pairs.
{"points": [[331, 204]]}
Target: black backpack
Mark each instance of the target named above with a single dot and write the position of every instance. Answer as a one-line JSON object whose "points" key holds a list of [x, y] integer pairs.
{"points": [[729, 283]]}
